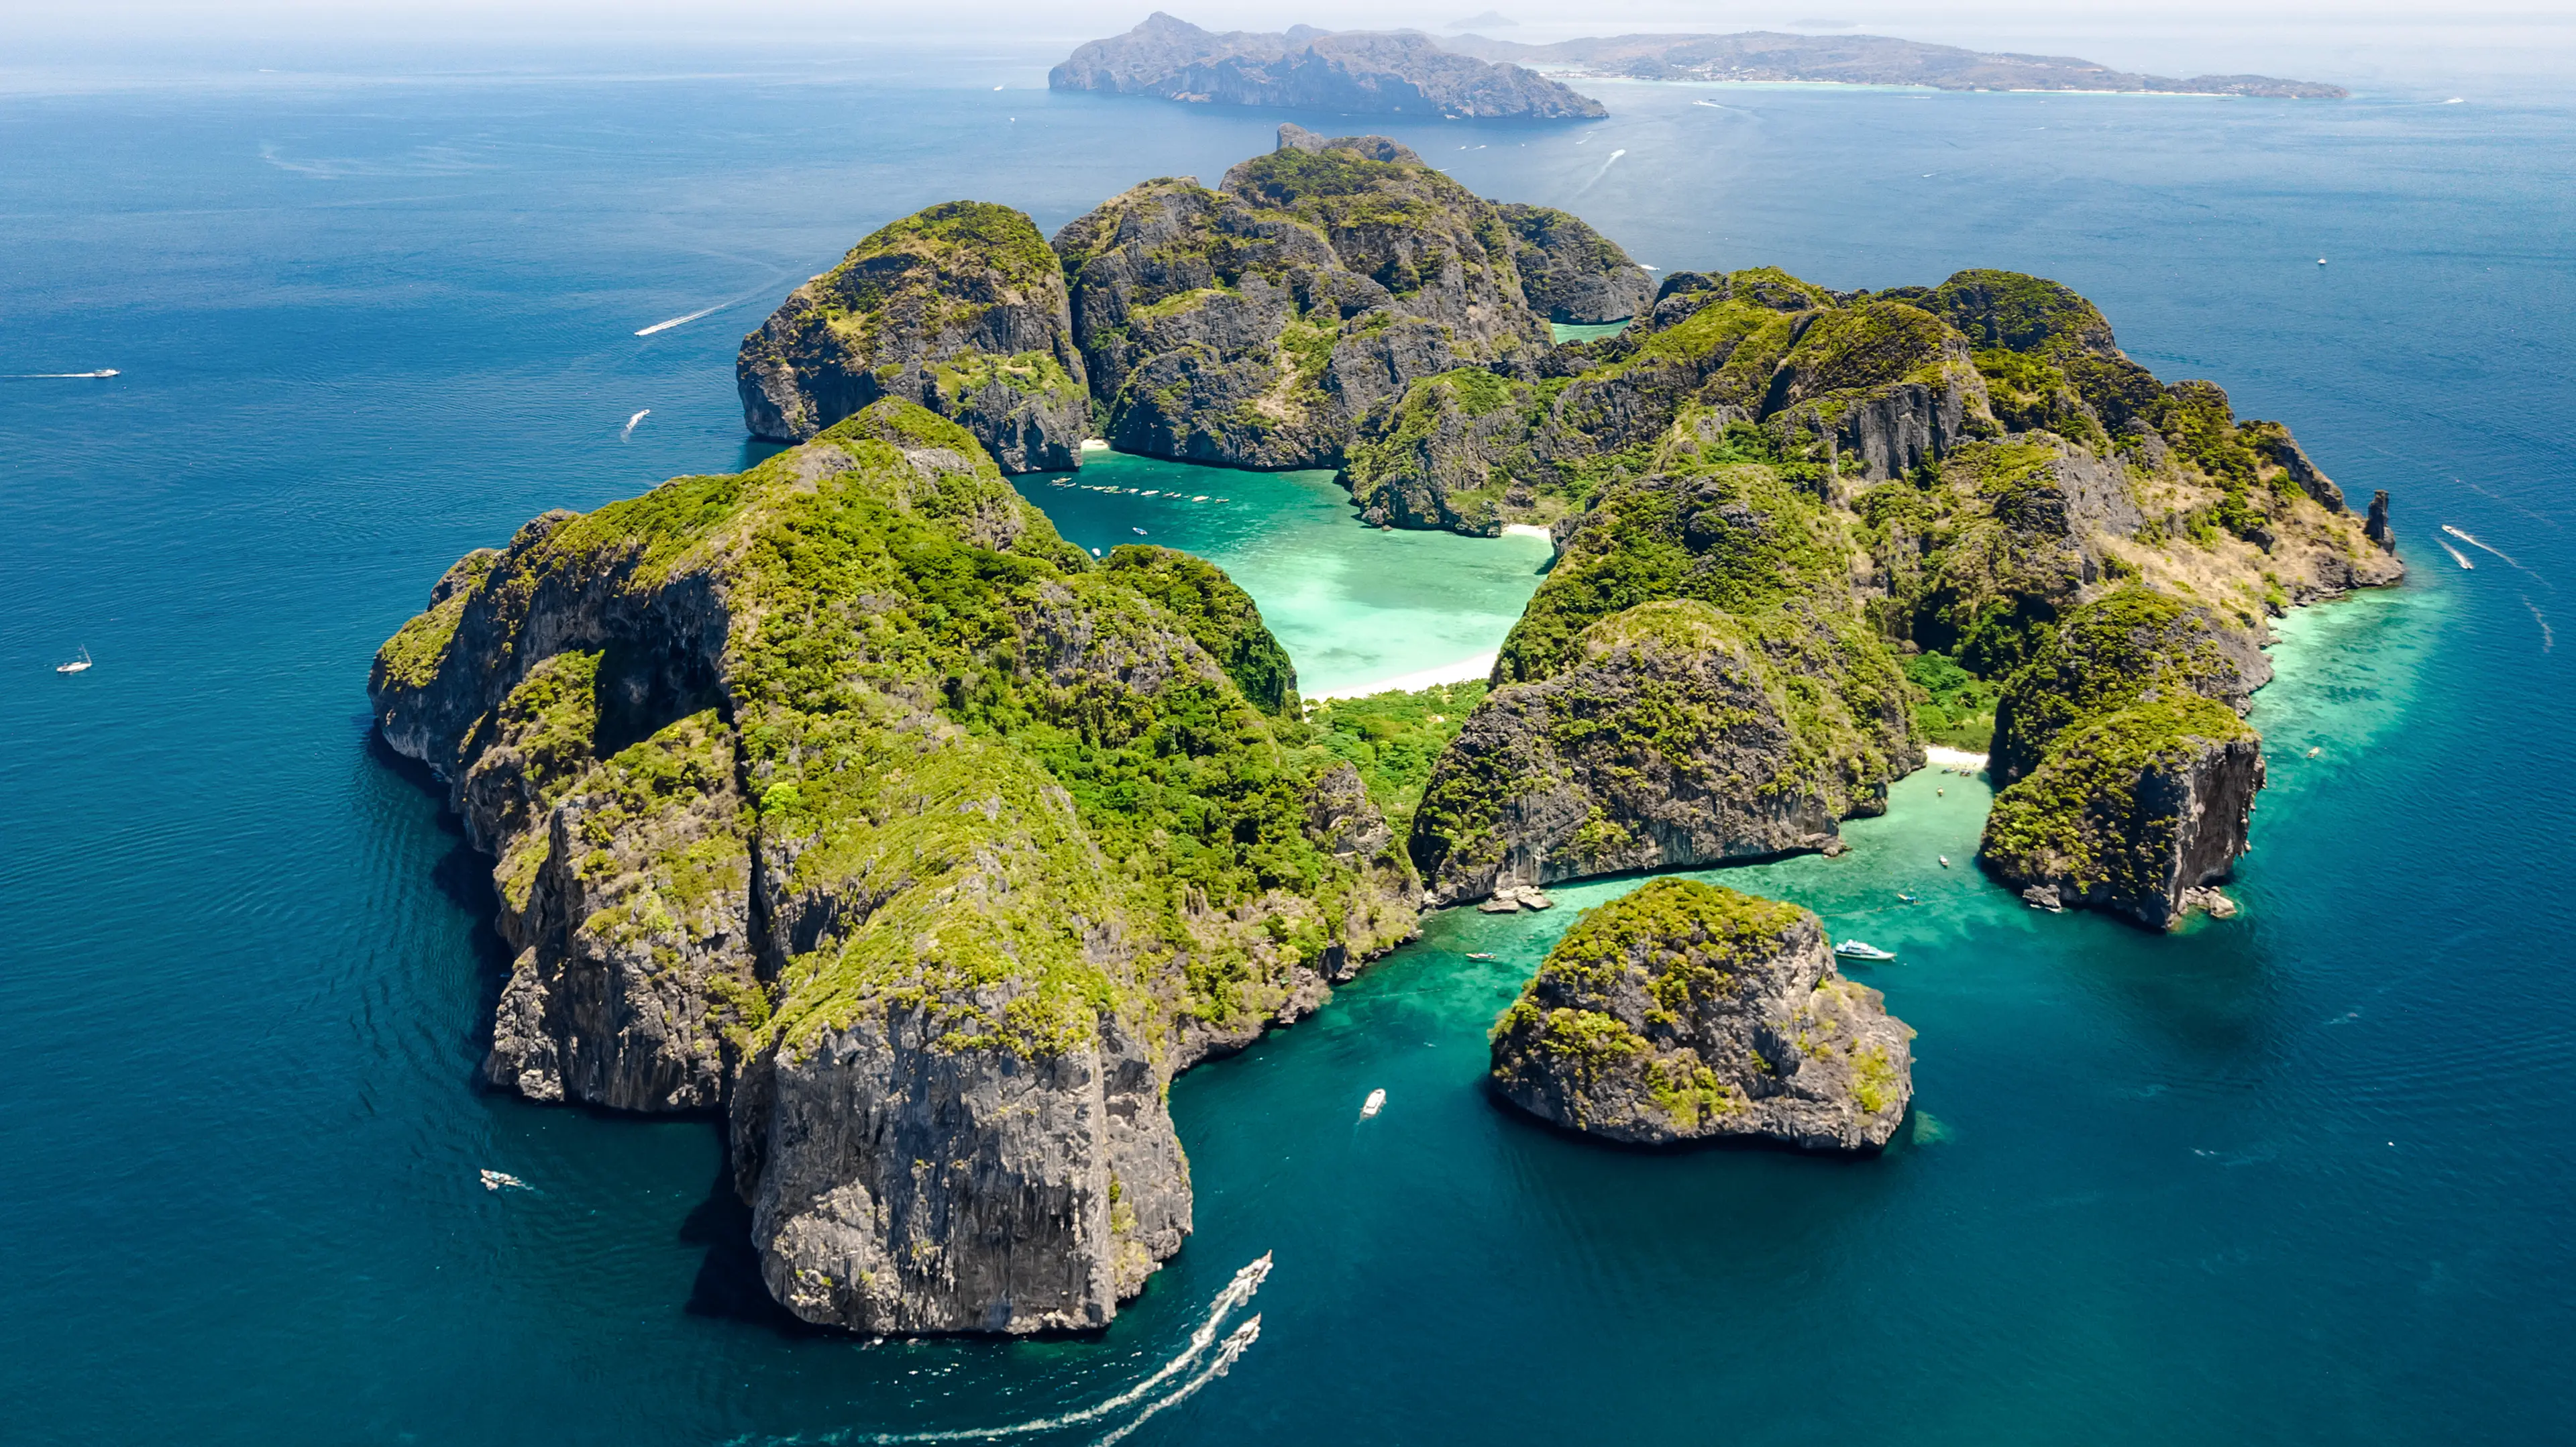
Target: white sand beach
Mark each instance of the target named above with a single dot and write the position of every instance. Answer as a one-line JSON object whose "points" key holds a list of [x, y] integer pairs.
{"points": [[1946, 758], [1459, 672]]}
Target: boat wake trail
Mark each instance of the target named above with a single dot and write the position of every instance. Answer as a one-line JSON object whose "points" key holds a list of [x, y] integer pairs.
{"points": [[630, 424], [683, 321], [1604, 171], [2473, 542], [59, 376], [1227, 1302], [2457, 556], [1237, 1342], [2547, 638]]}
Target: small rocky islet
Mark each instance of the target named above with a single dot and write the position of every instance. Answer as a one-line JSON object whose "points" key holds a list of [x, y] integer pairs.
{"points": [[844, 799]]}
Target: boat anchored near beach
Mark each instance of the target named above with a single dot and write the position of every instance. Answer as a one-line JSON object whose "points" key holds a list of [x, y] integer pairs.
{"points": [[77, 665], [1862, 950]]}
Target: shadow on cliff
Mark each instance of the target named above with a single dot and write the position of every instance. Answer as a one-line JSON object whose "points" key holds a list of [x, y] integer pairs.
{"points": [[728, 1285]]}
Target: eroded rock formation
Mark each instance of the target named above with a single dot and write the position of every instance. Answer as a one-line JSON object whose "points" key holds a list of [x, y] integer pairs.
{"points": [[844, 796], [1684, 1011]]}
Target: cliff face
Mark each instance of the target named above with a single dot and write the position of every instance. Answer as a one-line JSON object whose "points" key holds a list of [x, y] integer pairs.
{"points": [[1252, 324], [845, 796], [1572, 273], [1684, 1011], [960, 308], [1761, 489], [1352, 73], [1692, 683], [2132, 813], [1866, 391]]}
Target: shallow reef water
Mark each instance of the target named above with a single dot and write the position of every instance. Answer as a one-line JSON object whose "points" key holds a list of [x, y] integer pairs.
{"points": [[2298, 1176]]}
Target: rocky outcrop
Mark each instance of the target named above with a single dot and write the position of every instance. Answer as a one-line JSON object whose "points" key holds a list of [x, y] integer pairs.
{"points": [[2132, 813], [2376, 530], [1252, 325], [2125, 647], [1685, 1011], [960, 308], [1679, 737], [844, 796], [1572, 273], [1351, 73]]}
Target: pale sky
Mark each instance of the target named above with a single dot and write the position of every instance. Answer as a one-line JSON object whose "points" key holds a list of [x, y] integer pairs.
{"points": [[2361, 43]]}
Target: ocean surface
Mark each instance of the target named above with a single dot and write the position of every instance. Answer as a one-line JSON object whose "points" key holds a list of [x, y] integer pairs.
{"points": [[2303, 1176]]}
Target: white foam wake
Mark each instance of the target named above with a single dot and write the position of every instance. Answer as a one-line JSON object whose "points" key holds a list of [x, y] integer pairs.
{"points": [[2472, 541], [1604, 171], [1236, 1343], [630, 424], [2457, 556], [1227, 1302], [683, 321]]}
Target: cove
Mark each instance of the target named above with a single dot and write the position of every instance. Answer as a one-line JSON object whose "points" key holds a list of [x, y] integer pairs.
{"points": [[1354, 606]]}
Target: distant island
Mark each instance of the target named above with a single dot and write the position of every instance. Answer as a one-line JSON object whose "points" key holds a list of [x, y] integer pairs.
{"points": [[1762, 55], [1405, 72], [1355, 72]]}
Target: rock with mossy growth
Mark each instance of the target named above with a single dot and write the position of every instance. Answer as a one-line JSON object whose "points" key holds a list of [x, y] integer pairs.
{"points": [[961, 308], [2126, 647], [844, 796], [2133, 813], [1742, 710], [1684, 1011], [1252, 325], [1572, 273]]}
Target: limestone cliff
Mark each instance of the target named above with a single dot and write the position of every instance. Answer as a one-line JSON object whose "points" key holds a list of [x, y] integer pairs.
{"points": [[1252, 325], [1683, 1011], [1693, 683], [960, 308], [1572, 273], [1349, 73], [1762, 492], [843, 796]]}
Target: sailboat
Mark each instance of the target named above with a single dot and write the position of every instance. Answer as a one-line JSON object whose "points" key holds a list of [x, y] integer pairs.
{"points": [[77, 665]]}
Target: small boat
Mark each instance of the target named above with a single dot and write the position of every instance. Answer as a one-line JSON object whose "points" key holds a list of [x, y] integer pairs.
{"points": [[1376, 1102], [1944, 858], [77, 665], [1862, 950], [1140, 532], [1480, 954], [2312, 753], [1908, 899], [502, 1180]]}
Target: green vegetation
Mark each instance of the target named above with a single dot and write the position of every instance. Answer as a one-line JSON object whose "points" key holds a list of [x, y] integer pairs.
{"points": [[1393, 739], [2080, 816], [1958, 708], [945, 711], [2107, 655]]}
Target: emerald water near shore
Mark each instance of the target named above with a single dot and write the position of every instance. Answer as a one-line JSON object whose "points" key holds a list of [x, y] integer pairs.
{"points": [[1354, 606], [2297, 1176]]}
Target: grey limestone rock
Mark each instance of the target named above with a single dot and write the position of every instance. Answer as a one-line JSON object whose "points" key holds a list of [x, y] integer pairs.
{"points": [[1572, 273], [960, 308], [1684, 1011]]}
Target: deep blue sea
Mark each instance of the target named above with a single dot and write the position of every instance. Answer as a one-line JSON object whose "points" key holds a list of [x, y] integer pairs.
{"points": [[2301, 1177]]}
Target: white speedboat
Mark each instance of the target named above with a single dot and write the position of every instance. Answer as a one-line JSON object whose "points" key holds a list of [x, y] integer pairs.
{"points": [[1376, 1102], [1862, 950], [77, 665]]}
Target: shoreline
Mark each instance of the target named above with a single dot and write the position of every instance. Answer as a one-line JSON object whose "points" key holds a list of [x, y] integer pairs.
{"points": [[1464, 670], [1937, 756]]}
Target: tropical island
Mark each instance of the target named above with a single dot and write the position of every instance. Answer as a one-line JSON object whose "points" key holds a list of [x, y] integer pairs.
{"points": [[843, 799], [1406, 72]]}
